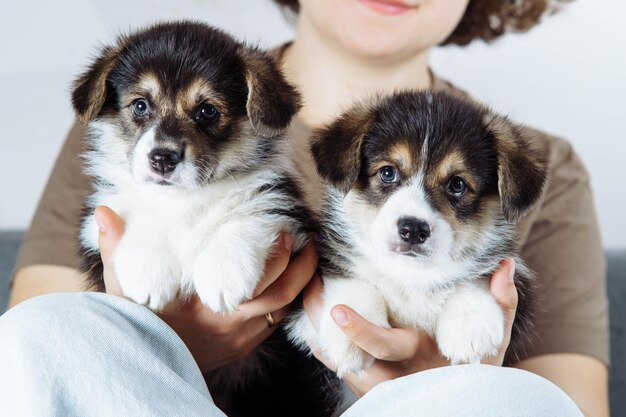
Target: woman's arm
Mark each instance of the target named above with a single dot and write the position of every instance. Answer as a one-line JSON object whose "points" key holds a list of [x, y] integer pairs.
{"points": [[35, 280], [562, 245], [582, 377], [46, 261]]}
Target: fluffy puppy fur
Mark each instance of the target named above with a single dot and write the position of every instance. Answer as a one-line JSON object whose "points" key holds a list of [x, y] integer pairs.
{"points": [[185, 143], [424, 192]]}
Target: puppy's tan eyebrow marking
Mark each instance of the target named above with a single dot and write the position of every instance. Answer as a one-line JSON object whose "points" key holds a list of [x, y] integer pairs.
{"points": [[454, 164], [194, 94], [451, 163], [401, 153], [379, 164], [150, 82], [147, 86]]}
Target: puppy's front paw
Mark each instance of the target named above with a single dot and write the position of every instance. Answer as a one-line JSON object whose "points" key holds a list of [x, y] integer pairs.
{"points": [[146, 274], [341, 352], [224, 282], [469, 337], [348, 357], [301, 332]]}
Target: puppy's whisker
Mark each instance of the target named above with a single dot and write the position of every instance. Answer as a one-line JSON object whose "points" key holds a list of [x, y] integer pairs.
{"points": [[204, 168]]}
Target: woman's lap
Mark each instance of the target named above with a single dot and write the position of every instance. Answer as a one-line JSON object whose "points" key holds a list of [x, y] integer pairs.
{"points": [[93, 354], [466, 390]]}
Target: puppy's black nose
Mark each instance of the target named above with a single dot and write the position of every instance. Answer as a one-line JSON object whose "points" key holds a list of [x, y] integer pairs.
{"points": [[164, 161], [413, 231]]}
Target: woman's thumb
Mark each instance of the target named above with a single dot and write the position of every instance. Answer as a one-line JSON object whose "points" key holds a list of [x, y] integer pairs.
{"points": [[111, 230]]}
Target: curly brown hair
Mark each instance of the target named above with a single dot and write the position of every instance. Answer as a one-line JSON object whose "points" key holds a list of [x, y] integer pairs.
{"points": [[487, 19]]}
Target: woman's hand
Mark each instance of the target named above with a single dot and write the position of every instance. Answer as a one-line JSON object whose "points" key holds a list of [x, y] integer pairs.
{"points": [[215, 339], [401, 352]]}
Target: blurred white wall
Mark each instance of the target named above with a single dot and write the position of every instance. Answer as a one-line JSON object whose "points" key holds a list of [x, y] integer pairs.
{"points": [[566, 77]]}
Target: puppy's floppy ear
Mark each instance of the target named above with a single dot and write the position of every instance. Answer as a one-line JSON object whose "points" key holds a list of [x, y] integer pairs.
{"points": [[272, 101], [522, 170], [336, 147], [90, 89]]}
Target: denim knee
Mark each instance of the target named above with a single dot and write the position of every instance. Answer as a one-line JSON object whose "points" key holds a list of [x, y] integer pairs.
{"points": [[87, 354], [466, 390]]}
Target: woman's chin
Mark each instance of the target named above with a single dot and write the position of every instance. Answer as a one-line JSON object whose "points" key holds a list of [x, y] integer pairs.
{"points": [[383, 48]]}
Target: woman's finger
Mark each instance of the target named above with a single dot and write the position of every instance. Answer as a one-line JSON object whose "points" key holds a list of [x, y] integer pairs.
{"points": [[261, 324], [382, 343], [255, 332], [111, 230], [276, 262], [503, 289], [287, 287]]}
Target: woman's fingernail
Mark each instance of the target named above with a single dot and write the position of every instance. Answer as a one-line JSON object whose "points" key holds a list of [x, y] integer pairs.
{"points": [[287, 241], [340, 316], [100, 223]]}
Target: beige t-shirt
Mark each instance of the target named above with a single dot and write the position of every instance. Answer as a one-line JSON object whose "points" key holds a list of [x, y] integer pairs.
{"points": [[559, 240]]}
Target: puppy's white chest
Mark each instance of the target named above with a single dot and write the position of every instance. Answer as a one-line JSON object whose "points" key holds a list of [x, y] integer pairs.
{"points": [[410, 300], [212, 242], [414, 310], [182, 221]]}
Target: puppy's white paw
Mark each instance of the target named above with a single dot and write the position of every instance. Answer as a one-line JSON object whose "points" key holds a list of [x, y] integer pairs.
{"points": [[470, 336], [331, 343], [147, 274], [227, 270], [301, 332], [335, 345], [341, 352], [224, 282], [350, 358]]}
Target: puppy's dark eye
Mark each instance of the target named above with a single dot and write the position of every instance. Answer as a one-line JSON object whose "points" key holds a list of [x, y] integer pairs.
{"points": [[140, 107], [207, 114], [388, 174], [457, 186]]}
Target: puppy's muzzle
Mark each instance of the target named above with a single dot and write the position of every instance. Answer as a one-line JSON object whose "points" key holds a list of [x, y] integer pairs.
{"points": [[164, 161], [413, 231]]}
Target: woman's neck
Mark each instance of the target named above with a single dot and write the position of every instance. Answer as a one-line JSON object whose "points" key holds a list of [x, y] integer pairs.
{"points": [[331, 78]]}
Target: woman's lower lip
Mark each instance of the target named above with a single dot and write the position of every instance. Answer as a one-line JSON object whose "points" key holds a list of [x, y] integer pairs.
{"points": [[387, 7]]}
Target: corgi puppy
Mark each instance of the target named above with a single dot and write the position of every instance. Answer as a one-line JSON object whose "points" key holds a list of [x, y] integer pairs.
{"points": [[424, 190], [185, 142]]}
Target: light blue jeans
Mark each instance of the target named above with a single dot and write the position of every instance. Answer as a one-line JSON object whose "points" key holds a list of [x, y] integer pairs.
{"points": [[89, 354]]}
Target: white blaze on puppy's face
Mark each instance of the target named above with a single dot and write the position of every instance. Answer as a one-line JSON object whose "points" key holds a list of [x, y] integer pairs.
{"points": [[381, 227], [139, 166], [182, 135], [188, 105], [183, 175], [409, 204]]}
